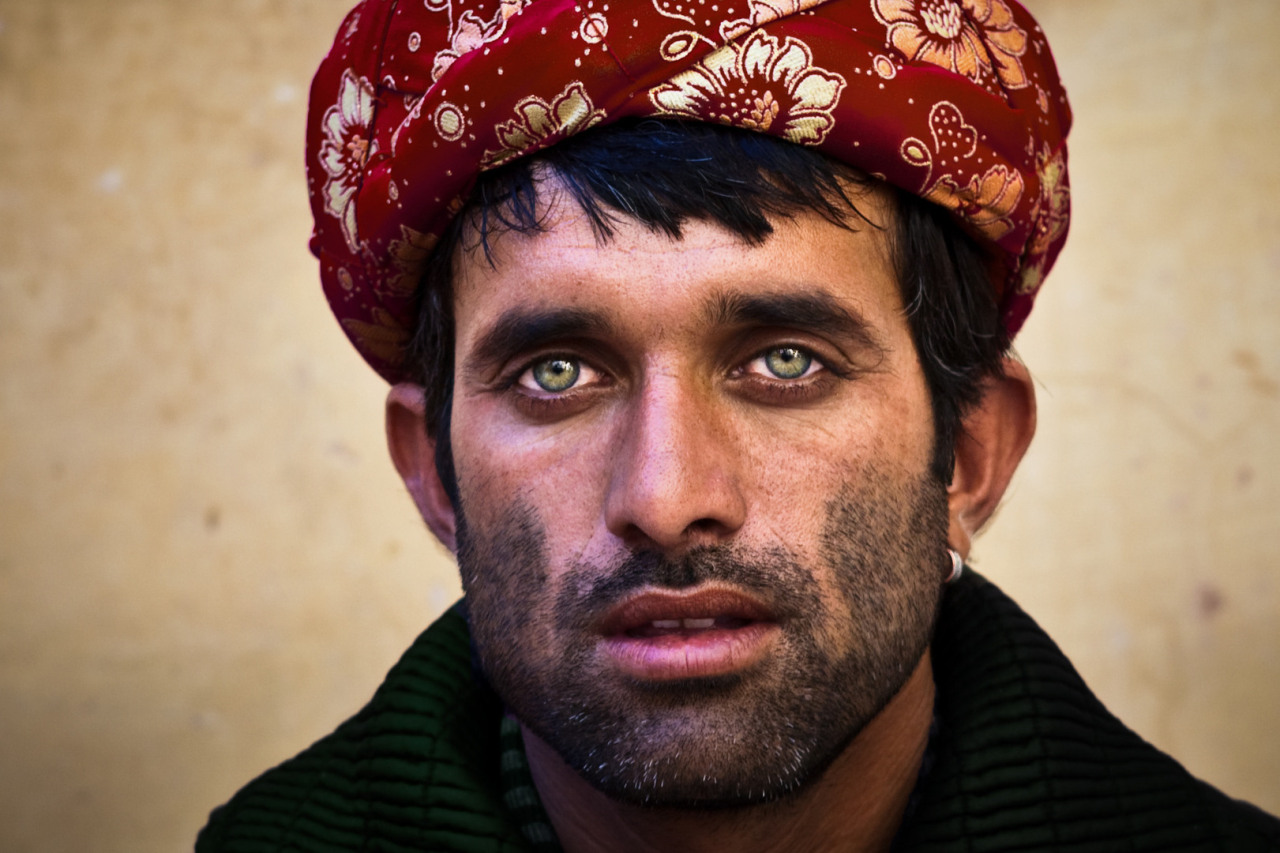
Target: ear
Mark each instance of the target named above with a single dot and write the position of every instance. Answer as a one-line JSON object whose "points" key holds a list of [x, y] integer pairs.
{"points": [[993, 438], [414, 454]]}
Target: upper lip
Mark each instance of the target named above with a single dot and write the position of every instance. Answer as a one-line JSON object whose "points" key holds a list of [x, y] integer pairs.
{"points": [[645, 607]]}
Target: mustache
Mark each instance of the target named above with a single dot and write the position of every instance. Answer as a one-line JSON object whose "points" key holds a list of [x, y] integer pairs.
{"points": [[774, 576]]}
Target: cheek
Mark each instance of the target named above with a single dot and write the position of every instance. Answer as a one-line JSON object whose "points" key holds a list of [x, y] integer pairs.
{"points": [[558, 475], [796, 462], [509, 599]]}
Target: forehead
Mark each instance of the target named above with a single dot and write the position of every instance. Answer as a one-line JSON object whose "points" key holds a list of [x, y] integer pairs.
{"points": [[649, 280]]}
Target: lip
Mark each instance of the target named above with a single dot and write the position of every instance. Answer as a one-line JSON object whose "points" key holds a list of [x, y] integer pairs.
{"points": [[684, 645]]}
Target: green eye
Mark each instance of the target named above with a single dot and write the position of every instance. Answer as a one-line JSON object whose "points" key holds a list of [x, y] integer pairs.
{"points": [[556, 374], [788, 362]]}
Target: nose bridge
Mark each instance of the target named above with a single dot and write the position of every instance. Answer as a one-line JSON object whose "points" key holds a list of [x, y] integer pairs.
{"points": [[675, 482]]}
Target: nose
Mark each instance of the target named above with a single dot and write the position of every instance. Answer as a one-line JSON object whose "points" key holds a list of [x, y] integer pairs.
{"points": [[675, 482]]}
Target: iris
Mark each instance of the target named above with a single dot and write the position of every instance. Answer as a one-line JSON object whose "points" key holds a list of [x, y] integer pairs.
{"points": [[788, 362], [556, 374]]}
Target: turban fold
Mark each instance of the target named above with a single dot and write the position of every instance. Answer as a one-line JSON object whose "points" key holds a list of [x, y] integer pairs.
{"points": [[956, 101]]}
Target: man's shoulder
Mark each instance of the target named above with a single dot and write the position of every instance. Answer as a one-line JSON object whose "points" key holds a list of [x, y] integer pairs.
{"points": [[417, 767], [1026, 755]]}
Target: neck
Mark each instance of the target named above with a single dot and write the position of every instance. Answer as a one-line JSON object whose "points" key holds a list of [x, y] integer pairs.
{"points": [[856, 805]]}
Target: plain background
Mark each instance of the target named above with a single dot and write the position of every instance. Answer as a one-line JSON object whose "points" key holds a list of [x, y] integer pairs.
{"points": [[206, 560]]}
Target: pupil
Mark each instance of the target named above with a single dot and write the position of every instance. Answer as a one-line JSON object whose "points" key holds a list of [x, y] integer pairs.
{"points": [[557, 374], [788, 362]]}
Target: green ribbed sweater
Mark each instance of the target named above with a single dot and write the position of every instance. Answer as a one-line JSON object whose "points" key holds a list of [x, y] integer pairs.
{"points": [[1024, 758]]}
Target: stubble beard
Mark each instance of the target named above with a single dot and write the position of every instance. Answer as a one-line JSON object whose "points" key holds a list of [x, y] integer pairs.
{"points": [[723, 742]]}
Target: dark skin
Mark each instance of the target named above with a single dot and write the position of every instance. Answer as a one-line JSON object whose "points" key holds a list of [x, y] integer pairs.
{"points": [[667, 439]]}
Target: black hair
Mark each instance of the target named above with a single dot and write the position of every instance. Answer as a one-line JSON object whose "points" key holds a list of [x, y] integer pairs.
{"points": [[663, 173]]}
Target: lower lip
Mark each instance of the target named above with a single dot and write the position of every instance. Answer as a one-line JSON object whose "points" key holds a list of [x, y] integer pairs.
{"points": [[691, 654]]}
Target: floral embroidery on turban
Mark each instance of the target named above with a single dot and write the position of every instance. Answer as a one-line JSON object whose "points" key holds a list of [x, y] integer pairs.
{"points": [[753, 83], [976, 38], [957, 101]]}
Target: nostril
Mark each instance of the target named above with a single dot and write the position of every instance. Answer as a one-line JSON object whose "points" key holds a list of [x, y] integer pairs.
{"points": [[654, 535], [707, 527]]}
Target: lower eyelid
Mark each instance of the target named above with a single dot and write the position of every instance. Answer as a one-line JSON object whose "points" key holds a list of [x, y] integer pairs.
{"points": [[810, 389]]}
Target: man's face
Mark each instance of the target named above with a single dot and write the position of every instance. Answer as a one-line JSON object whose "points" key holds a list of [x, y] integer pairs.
{"points": [[699, 540]]}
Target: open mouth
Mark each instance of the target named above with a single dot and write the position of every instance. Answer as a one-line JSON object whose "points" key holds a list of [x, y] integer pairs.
{"points": [[663, 635], [667, 627]]}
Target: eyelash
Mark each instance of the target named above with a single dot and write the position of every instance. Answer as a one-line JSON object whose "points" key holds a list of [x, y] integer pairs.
{"points": [[777, 389], [538, 407], [513, 379]]}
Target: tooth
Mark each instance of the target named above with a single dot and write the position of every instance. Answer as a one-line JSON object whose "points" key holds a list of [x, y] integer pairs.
{"points": [[697, 624], [667, 624]]}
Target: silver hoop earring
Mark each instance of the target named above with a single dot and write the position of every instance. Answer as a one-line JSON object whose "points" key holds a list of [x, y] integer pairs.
{"points": [[957, 566]]}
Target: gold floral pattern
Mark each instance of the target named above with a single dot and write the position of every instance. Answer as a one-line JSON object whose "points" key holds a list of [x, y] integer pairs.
{"points": [[472, 32], [975, 38], [953, 138], [384, 338], [987, 202], [538, 121], [464, 85], [678, 45], [756, 84], [346, 149], [1053, 207], [408, 256], [1049, 216], [761, 12]]}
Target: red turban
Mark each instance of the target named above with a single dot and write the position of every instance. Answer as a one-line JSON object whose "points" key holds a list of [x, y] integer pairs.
{"points": [[957, 101]]}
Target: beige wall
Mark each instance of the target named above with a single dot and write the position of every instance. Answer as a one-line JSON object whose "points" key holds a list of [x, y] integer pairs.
{"points": [[206, 561]]}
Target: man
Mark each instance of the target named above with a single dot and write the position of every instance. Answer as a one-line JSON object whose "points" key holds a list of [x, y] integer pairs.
{"points": [[698, 319]]}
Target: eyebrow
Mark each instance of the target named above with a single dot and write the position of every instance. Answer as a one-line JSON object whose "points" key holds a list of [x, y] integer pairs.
{"points": [[520, 329], [815, 312]]}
